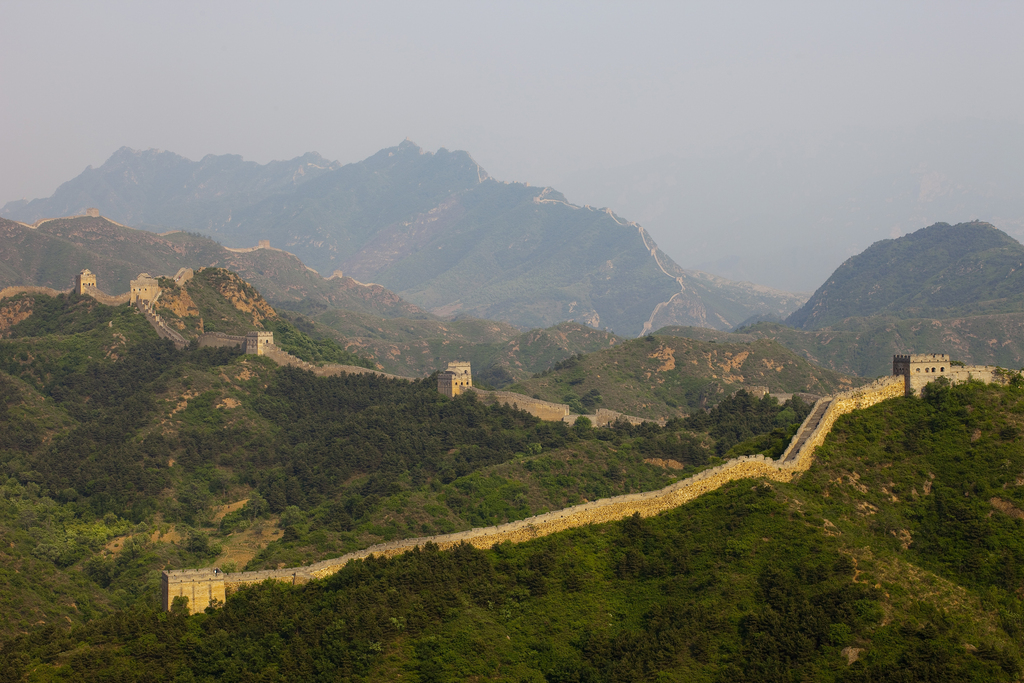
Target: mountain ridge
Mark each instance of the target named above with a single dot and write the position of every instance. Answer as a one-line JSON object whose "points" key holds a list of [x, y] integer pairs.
{"points": [[940, 271], [433, 227]]}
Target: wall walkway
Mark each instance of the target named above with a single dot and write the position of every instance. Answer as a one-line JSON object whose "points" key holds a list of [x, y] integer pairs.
{"points": [[162, 328], [797, 458]]}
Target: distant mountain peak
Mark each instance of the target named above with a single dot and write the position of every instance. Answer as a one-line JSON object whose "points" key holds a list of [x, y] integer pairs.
{"points": [[939, 271], [425, 224]]}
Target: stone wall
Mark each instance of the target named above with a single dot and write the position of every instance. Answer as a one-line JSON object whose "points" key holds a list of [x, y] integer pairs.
{"points": [[956, 374], [220, 339], [115, 300], [49, 291], [603, 417], [545, 410], [282, 357], [597, 512], [14, 291], [160, 326], [183, 276], [840, 404]]}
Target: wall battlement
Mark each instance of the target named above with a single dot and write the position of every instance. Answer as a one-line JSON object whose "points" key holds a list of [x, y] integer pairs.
{"points": [[921, 369]]}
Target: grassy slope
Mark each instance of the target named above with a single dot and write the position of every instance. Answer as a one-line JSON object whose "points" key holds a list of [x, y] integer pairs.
{"points": [[665, 377]]}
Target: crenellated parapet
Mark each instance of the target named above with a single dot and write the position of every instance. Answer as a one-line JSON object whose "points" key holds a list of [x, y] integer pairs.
{"points": [[920, 369]]}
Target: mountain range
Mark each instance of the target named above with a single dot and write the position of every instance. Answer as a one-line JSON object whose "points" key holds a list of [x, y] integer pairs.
{"points": [[434, 228]]}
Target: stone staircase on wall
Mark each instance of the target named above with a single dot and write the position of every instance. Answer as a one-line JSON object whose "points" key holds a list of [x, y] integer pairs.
{"points": [[806, 429], [201, 584], [158, 324]]}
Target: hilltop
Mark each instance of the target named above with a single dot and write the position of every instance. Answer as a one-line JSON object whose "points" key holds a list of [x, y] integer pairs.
{"points": [[942, 271], [434, 228], [665, 377]]}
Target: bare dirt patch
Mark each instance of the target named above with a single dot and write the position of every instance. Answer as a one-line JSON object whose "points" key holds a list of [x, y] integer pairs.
{"points": [[667, 356], [1006, 507], [14, 313], [241, 547], [866, 508], [904, 536], [219, 511], [667, 464], [183, 403], [172, 536]]}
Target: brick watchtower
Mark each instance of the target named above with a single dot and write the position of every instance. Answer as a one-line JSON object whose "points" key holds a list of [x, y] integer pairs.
{"points": [[258, 341], [85, 282], [456, 379]]}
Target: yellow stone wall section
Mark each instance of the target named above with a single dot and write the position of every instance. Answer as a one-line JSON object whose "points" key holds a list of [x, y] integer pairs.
{"points": [[597, 512]]}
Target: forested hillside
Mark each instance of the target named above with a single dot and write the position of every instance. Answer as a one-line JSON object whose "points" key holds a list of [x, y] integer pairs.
{"points": [[896, 557], [121, 456], [865, 346]]}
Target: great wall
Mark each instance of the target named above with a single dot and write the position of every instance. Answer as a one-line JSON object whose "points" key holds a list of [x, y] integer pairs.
{"points": [[207, 587]]}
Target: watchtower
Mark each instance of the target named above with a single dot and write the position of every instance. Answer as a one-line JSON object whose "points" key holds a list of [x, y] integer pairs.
{"points": [[456, 379], [85, 282], [144, 288], [202, 587], [263, 244], [258, 341], [92, 213]]}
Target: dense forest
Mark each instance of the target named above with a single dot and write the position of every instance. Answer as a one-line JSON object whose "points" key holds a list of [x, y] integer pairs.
{"points": [[896, 557], [121, 456]]}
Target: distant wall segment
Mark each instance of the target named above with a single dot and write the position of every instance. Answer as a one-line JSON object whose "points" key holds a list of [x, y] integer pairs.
{"points": [[15, 291]]}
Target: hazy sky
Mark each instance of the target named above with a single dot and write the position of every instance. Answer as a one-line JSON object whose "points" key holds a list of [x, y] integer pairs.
{"points": [[537, 92]]}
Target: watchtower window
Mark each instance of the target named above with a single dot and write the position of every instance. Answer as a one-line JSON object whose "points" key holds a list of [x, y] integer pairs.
{"points": [[917, 370], [933, 369], [942, 369]]}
